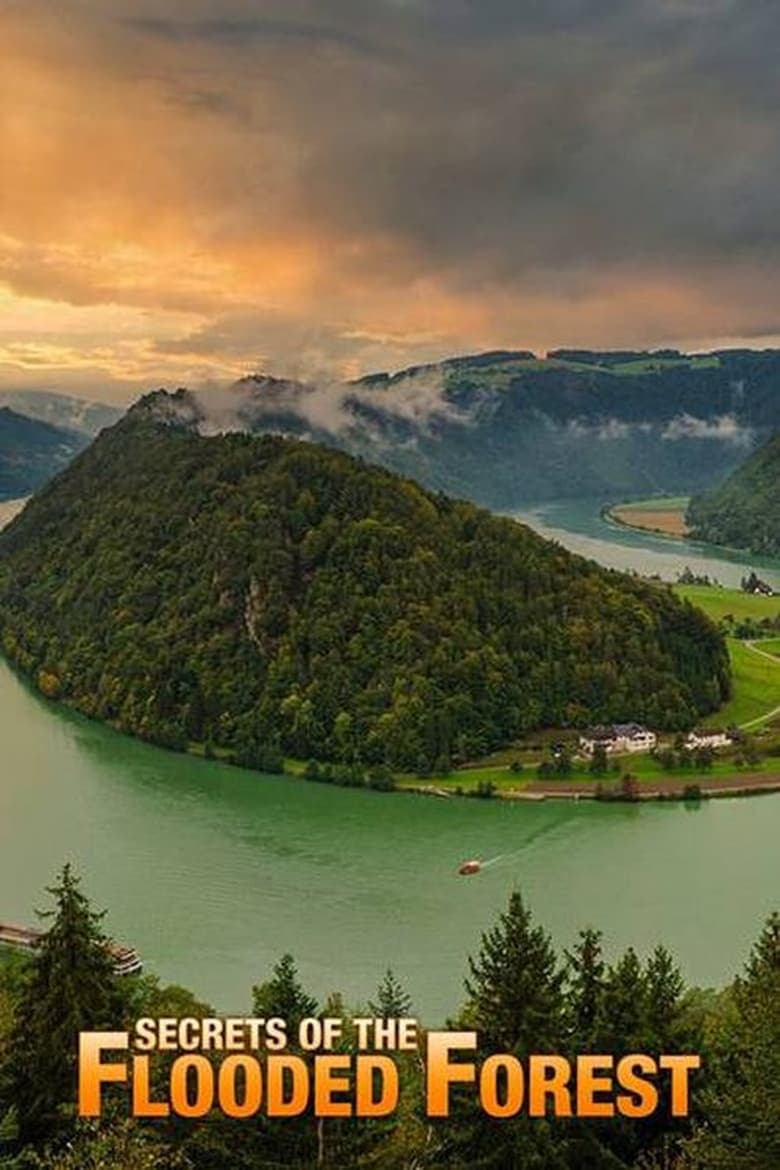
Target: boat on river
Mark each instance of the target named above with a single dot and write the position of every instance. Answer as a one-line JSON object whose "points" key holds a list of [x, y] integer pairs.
{"points": [[25, 938], [469, 867]]}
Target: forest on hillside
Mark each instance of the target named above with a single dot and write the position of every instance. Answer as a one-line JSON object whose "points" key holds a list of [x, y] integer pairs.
{"points": [[743, 511], [507, 428], [259, 594]]}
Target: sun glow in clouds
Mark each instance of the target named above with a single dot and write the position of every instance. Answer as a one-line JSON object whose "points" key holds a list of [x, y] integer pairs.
{"points": [[193, 190]]}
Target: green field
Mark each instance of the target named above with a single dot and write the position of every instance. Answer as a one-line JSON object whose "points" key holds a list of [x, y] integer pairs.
{"points": [[656, 504], [756, 677], [646, 769], [652, 365], [756, 680], [643, 767], [501, 375], [721, 603]]}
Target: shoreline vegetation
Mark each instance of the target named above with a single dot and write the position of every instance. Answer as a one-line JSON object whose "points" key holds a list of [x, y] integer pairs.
{"points": [[636, 778], [511, 773]]}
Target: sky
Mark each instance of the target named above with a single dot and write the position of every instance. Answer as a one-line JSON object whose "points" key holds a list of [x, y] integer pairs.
{"points": [[193, 190]]}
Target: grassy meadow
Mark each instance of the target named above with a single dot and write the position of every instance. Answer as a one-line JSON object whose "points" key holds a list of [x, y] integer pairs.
{"points": [[723, 603]]}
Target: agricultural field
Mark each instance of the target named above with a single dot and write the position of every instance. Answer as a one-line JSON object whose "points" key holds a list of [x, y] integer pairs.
{"points": [[723, 603], [755, 664], [664, 515]]}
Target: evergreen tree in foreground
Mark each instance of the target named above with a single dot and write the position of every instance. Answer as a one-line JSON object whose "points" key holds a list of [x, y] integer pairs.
{"points": [[392, 1001], [70, 987], [742, 1101], [515, 985], [283, 996], [517, 1004], [585, 971]]}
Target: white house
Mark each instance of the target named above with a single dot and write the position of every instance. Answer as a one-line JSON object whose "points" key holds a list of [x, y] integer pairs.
{"points": [[618, 738], [710, 739]]}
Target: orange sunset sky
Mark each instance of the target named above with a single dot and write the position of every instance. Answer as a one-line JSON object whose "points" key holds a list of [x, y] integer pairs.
{"points": [[194, 190]]}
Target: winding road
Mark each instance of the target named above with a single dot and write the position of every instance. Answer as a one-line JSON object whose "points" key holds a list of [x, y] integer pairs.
{"points": [[775, 710]]}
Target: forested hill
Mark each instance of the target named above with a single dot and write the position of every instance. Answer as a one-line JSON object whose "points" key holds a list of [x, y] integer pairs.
{"points": [[249, 591], [31, 452], [744, 511]]}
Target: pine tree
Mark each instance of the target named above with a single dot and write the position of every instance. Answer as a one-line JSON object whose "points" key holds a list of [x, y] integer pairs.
{"points": [[283, 996], [622, 1027], [70, 987], [664, 987], [764, 961], [742, 1102], [515, 986], [585, 989], [516, 1005], [392, 1001]]}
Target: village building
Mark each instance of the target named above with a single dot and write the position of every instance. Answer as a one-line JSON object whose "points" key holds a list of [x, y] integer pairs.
{"points": [[617, 738], [708, 739]]}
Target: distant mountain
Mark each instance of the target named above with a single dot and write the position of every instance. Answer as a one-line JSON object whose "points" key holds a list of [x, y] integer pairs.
{"points": [[263, 594], [744, 511], [72, 414], [31, 452], [506, 428]]}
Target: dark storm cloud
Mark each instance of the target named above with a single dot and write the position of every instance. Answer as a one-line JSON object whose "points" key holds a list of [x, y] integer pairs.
{"points": [[496, 139], [373, 182], [244, 31]]}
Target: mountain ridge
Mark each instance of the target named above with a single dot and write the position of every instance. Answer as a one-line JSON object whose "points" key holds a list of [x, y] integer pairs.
{"points": [[80, 415], [31, 451], [506, 428]]}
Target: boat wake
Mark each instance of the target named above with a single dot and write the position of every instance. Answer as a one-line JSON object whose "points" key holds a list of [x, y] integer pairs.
{"points": [[492, 860]]}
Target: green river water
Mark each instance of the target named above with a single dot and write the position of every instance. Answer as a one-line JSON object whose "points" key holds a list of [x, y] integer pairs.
{"points": [[212, 873]]}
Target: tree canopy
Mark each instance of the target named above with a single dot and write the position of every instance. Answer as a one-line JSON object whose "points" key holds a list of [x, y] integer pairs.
{"points": [[744, 510]]}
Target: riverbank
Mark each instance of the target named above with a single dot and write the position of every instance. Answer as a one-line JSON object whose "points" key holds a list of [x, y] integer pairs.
{"points": [[508, 775], [665, 788], [9, 509]]}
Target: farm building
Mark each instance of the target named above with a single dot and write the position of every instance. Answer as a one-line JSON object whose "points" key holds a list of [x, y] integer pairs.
{"points": [[618, 737]]}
